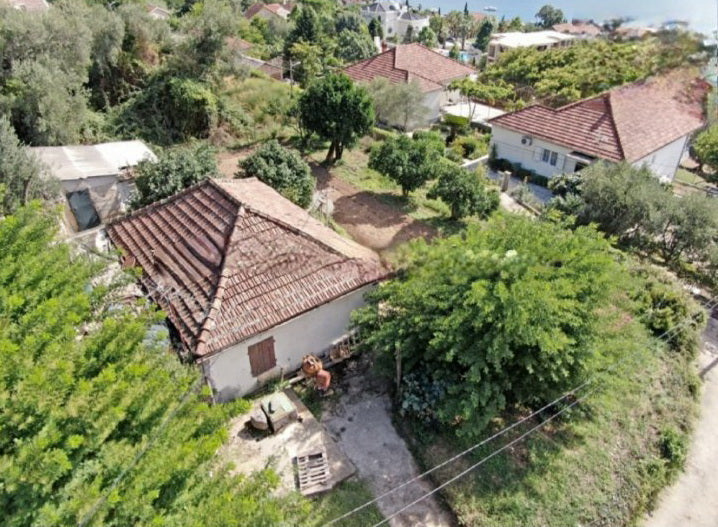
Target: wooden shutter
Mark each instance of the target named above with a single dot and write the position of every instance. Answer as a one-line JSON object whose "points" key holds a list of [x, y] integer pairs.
{"points": [[261, 356]]}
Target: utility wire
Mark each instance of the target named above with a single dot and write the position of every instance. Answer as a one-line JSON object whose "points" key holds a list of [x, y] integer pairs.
{"points": [[709, 306]]}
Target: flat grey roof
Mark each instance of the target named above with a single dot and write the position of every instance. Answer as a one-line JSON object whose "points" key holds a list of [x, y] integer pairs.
{"points": [[84, 161]]}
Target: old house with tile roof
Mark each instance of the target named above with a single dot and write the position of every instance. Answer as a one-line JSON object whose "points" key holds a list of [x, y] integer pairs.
{"points": [[249, 281], [415, 63], [269, 11], [645, 123]]}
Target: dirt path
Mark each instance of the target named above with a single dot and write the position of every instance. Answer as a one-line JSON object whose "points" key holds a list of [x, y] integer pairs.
{"points": [[693, 500], [365, 217], [359, 418]]}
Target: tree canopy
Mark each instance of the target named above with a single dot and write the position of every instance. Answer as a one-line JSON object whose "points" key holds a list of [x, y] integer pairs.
{"points": [[705, 146], [101, 425], [465, 192], [175, 170], [409, 162], [548, 16], [337, 110], [503, 314], [281, 169], [22, 176]]}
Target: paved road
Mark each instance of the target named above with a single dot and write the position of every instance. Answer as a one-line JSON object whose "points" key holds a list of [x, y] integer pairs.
{"points": [[693, 500]]}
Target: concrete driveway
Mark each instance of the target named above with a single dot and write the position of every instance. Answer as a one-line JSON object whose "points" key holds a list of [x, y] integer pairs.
{"points": [[693, 500]]}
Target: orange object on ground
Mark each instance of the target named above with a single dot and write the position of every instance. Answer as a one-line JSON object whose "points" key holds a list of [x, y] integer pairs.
{"points": [[323, 379]]}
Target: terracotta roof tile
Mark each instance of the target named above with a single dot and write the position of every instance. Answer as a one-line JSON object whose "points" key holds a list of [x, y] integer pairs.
{"points": [[408, 62], [228, 259], [626, 123]]}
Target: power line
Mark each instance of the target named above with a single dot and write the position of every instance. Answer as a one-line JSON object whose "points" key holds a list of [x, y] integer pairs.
{"points": [[709, 306]]}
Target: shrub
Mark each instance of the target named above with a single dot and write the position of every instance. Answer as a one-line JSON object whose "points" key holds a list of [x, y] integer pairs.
{"points": [[463, 191], [175, 170], [470, 147], [283, 170], [673, 449], [538, 179], [379, 134]]}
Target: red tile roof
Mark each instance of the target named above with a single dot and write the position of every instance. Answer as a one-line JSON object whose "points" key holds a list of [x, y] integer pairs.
{"points": [[228, 259], [408, 62], [578, 28], [626, 123]]}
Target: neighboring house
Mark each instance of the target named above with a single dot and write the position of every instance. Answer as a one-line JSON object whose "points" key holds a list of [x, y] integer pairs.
{"points": [[388, 13], [249, 281], [29, 5], [633, 33], [540, 40], [96, 180], [157, 12], [582, 30], [415, 62], [269, 11], [644, 123], [412, 20]]}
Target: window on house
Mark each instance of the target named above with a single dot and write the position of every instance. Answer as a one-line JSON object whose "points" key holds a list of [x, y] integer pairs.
{"points": [[549, 157], [261, 356]]}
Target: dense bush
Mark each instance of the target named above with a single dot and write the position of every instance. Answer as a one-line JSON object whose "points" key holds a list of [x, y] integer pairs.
{"points": [[409, 162], [470, 146], [283, 170], [466, 193], [175, 170], [514, 299]]}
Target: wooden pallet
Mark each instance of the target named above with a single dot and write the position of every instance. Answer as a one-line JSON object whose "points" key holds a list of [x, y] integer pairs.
{"points": [[312, 472]]}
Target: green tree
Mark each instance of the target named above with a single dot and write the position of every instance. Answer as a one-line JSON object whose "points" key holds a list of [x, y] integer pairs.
{"points": [[548, 16], [460, 25], [427, 37], [465, 192], [349, 21], [705, 146], [353, 46], [408, 162], [283, 170], [101, 425], [308, 62], [175, 170], [455, 52], [483, 35], [398, 104], [477, 91], [22, 176], [375, 28], [503, 314], [307, 28], [338, 111]]}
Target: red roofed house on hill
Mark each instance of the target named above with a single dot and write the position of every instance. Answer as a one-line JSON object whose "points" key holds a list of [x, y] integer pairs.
{"points": [[645, 123], [269, 11], [415, 63], [250, 282]]}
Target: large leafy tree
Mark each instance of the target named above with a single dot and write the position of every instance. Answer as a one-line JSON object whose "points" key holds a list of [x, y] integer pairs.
{"points": [[175, 170], [503, 314], [548, 16], [408, 162], [465, 192], [101, 426], [399, 104], [483, 34], [337, 110], [22, 176], [353, 46], [706, 146], [281, 169]]}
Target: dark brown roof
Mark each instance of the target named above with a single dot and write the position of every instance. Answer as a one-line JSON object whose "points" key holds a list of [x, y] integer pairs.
{"points": [[408, 62], [626, 123], [228, 259]]}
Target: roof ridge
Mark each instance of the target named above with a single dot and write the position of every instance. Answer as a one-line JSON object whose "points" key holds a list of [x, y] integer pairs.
{"points": [[614, 124], [282, 223], [218, 294], [439, 54]]}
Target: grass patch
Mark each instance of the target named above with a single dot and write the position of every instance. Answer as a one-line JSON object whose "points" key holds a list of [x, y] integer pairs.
{"points": [[343, 498], [354, 169], [685, 176], [601, 464]]}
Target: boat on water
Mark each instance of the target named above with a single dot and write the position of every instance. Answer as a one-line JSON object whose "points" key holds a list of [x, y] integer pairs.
{"points": [[490, 8]]}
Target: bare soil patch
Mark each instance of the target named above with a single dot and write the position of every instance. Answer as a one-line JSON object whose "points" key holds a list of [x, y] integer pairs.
{"points": [[369, 220]]}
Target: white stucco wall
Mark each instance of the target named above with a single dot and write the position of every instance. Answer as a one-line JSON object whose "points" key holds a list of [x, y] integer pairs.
{"points": [[403, 25], [664, 162], [508, 146], [229, 373]]}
